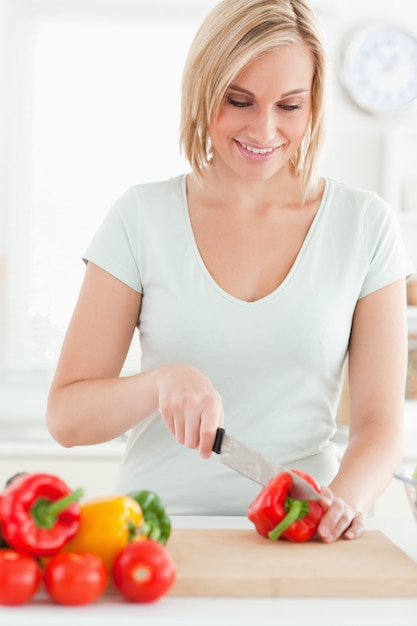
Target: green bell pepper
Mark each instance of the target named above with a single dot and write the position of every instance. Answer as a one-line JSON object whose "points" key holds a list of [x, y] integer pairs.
{"points": [[157, 525]]}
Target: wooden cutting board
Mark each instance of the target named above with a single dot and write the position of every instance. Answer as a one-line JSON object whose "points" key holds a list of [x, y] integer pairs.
{"points": [[217, 562]]}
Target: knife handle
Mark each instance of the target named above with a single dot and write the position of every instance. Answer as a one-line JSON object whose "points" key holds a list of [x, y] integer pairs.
{"points": [[217, 445]]}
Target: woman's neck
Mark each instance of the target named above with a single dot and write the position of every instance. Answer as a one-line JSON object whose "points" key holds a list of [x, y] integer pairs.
{"points": [[225, 187]]}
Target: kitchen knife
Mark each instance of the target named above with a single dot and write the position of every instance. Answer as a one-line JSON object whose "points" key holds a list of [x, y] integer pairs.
{"points": [[253, 465]]}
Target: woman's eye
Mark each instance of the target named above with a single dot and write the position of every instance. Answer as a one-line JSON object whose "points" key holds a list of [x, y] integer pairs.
{"points": [[238, 103], [290, 107]]}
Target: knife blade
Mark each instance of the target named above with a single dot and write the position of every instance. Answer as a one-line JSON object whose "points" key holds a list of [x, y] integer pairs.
{"points": [[257, 467]]}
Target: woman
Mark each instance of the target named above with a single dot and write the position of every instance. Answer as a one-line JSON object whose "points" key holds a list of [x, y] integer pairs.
{"points": [[250, 279]]}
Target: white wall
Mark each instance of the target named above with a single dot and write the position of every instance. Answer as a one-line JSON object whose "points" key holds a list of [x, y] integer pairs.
{"points": [[356, 139]]}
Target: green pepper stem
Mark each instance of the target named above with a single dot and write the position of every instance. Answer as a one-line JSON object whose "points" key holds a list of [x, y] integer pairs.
{"points": [[294, 512], [57, 506], [45, 512]]}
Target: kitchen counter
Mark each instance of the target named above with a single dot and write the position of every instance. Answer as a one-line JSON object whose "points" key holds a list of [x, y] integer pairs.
{"points": [[187, 611]]}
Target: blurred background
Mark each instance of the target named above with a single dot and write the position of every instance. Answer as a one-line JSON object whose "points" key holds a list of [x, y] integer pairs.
{"points": [[89, 106]]}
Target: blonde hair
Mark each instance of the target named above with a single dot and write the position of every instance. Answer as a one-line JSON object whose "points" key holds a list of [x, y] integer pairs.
{"points": [[233, 34]]}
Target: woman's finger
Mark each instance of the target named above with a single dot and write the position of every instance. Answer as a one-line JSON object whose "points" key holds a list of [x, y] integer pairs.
{"points": [[356, 527]]}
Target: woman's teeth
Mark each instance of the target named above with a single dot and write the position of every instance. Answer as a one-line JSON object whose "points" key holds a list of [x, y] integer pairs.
{"points": [[256, 150]]}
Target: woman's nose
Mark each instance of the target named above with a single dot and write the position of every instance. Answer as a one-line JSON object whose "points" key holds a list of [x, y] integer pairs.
{"points": [[262, 127]]}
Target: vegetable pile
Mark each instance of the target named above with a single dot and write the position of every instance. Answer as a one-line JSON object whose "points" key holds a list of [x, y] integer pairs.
{"points": [[49, 540]]}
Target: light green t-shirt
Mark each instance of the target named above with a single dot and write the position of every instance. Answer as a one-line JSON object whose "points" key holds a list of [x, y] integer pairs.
{"points": [[277, 362]]}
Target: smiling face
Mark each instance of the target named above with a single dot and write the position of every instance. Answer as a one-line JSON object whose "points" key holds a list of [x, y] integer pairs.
{"points": [[264, 114]]}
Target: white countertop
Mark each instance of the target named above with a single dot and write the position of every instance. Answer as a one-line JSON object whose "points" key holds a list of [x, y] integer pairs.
{"points": [[180, 611]]}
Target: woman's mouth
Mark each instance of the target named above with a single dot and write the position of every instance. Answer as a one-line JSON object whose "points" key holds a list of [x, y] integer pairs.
{"points": [[255, 154], [257, 150]]}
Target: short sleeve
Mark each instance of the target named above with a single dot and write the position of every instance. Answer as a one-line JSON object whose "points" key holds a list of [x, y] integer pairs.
{"points": [[385, 252], [113, 247]]}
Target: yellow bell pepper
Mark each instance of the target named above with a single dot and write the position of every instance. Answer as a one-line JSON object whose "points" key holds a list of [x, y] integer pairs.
{"points": [[106, 526]]}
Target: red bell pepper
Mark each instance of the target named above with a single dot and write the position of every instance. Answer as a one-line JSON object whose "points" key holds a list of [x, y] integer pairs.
{"points": [[276, 515], [39, 513]]}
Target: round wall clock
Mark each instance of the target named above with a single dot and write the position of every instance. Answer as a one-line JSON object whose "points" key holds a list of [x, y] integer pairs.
{"points": [[380, 69]]}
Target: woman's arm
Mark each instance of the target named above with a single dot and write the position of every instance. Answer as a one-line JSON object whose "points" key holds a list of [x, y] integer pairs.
{"points": [[90, 403], [377, 373]]}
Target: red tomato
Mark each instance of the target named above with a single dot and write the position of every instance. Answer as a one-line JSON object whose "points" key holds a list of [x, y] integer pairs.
{"points": [[75, 578], [143, 571], [20, 577]]}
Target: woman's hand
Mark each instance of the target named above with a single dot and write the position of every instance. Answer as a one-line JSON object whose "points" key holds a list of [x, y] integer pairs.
{"points": [[340, 519], [190, 406]]}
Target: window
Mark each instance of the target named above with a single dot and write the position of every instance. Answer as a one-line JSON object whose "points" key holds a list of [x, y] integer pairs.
{"points": [[93, 107]]}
